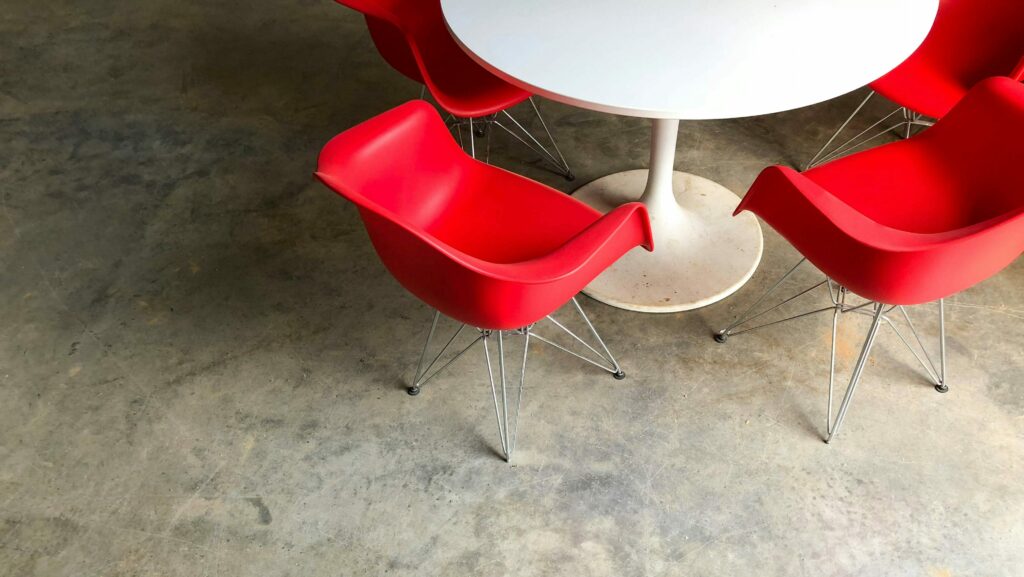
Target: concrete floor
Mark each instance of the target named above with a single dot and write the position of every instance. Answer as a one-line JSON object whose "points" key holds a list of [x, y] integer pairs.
{"points": [[202, 362]]}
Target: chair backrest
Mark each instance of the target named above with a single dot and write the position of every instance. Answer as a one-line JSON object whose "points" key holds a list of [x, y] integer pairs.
{"points": [[401, 164], [392, 23], [975, 39], [393, 47], [983, 38], [412, 37], [981, 141], [400, 169]]}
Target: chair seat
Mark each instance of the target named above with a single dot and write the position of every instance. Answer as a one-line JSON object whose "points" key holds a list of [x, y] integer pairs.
{"points": [[905, 187], [503, 218]]}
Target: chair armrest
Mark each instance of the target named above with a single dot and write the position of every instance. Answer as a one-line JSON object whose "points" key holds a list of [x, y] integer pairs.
{"points": [[801, 210], [980, 137], [809, 215]]}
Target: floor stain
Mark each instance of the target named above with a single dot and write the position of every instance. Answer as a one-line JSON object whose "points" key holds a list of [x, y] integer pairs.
{"points": [[262, 511]]}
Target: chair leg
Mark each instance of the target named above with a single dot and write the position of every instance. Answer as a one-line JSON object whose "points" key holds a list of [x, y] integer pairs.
{"points": [[415, 388], [421, 376], [839, 131], [507, 403], [840, 304], [858, 369], [748, 315], [556, 160], [941, 386], [477, 128], [456, 125], [606, 361], [507, 416], [618, 373], [487, 153], [908, 119], [904, 128], [937, 374], [507, 413], [482, 128], [561, 158]]}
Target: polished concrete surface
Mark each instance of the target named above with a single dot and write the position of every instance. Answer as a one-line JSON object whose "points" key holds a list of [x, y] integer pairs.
{"points": [[202, 362]]}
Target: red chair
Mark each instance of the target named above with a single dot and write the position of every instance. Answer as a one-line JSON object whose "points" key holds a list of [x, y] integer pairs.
{"points": [[412, 37], [483, 246], [970, 40], [910, 222]]}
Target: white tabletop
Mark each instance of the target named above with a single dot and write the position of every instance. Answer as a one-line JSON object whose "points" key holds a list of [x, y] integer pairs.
{"points": [[689, 59]]}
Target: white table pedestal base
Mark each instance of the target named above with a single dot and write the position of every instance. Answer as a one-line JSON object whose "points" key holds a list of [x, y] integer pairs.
{"points": [[702, 253]]}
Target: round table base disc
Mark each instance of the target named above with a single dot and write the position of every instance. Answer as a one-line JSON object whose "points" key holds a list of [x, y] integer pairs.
{"points": [[702, 253]]}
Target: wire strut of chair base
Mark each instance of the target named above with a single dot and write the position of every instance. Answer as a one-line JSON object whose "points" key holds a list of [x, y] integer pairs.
{"points": [[481, 128], [879, 313], [506, 411], [904, 126]]}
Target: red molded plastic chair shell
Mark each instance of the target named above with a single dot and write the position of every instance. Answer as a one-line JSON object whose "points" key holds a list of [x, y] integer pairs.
{"points": [[412, 37], [480, 244], [916, 220], [971, 40]]}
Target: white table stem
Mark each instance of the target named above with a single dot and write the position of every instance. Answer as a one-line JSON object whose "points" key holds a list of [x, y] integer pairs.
{"points": [[658, 195]]}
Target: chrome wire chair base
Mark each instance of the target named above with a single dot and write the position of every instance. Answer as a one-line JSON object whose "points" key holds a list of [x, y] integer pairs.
{"points": [[879, 313], [508, 397], [905, 122], [482, 128]]}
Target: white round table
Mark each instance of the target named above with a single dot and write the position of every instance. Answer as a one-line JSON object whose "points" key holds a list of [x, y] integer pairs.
{"points": [[685, 59]]}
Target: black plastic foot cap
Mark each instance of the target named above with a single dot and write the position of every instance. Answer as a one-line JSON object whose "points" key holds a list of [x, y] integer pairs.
{"points": [[571, 176], [413, 391], [943, 388], [619, 375], [721, 337]]}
